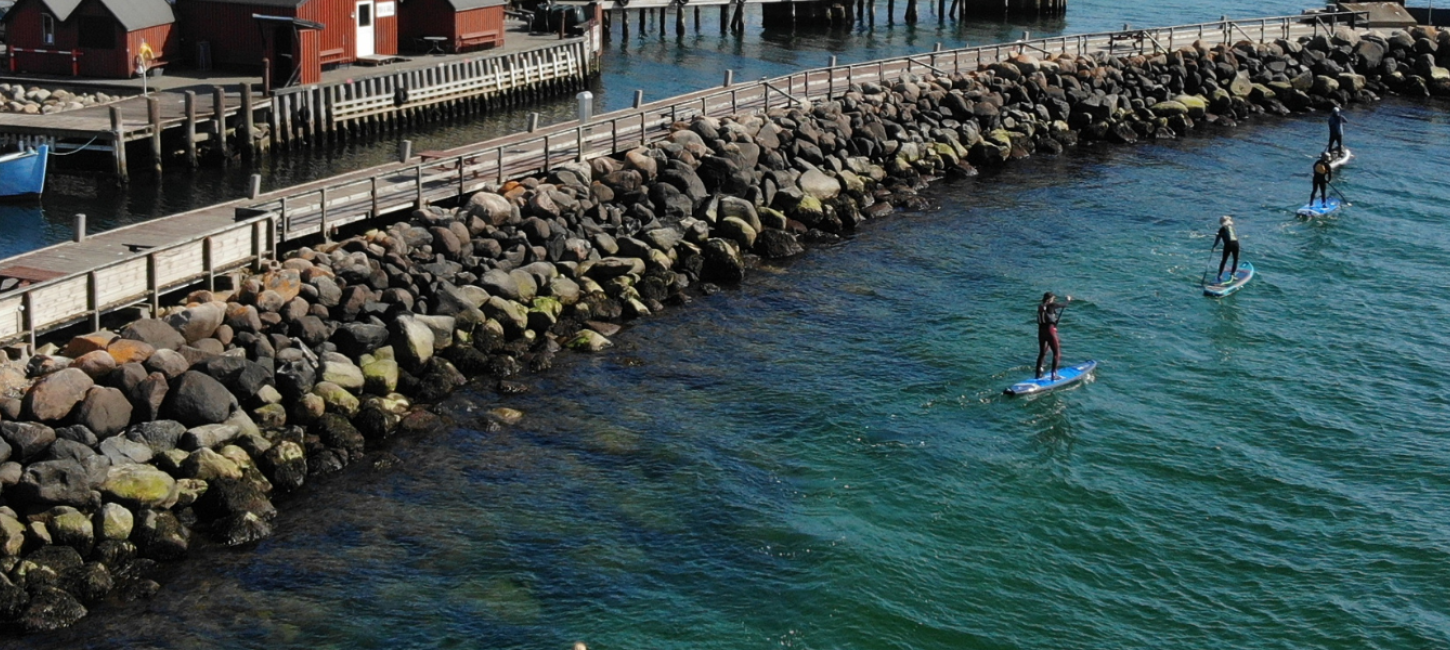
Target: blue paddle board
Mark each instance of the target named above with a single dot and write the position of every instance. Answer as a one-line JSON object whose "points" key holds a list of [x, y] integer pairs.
{"points": [[1226, 285], [1065, 377], [1319, 208]]}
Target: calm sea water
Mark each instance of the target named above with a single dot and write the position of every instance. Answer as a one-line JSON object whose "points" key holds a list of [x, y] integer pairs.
{"points": [[821, 458]]}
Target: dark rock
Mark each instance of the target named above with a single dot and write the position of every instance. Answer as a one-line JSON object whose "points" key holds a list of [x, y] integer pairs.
{"points": [[356, 339], [89, 582], [161, 435], [158, 535], [77, 433], [337, 433], [50, 609], [243, 528], [54, 483], [226, 497], [196, 399], [148, 396], [285, 464], [295, 379], [26, 440], [777, 244]]}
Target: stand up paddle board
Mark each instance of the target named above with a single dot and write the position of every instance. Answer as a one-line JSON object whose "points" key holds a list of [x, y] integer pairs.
{"points": [[1065, 377], [1341, 159], [1320, 208], [1224, 286]]}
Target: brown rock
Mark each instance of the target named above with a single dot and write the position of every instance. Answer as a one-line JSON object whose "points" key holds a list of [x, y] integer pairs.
{"points": [[53, 396], [148, 396], [105, 411], [81, 345], [126, 351], [95, 364], [286, 282]]}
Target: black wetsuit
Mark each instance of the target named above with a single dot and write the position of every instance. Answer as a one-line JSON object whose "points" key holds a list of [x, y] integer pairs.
{"points": [[1322, 175], [1336, 132], [1047, 317], [1230, 241]]}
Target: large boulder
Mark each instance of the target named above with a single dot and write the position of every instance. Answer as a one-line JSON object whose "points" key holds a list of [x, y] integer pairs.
{"points": [[113, 521], [196, 399], [198, 322], [95, 364], [53, 396], [819, 184], [159, 535], [125, 351], [105, 411], [722, 262], [156, 333], [51, 609]]}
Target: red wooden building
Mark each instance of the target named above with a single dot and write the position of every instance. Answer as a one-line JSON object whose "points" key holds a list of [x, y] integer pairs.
{"points": [[296, 38], [89, 38], [453, 25]]}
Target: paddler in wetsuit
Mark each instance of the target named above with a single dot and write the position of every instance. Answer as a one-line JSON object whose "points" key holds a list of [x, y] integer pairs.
{"points": [[1049, 312], [1336, 130], [1323, 173], [1230, 241]]}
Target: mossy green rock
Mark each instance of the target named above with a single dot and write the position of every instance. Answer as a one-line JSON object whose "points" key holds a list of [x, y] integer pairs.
{"points": [[735, 229], [337, 399], [12, 536], [1197, 106], [588, 341], [139, 486], [772, 218], [1169, 109], [380, 377], [114, 522]]}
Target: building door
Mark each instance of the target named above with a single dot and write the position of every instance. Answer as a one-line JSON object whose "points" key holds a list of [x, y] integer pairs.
{"points": [[366, 44]]}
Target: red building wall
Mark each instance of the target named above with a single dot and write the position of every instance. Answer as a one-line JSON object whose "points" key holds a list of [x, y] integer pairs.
{"points": [[475, 28], [235, 38], [24, 32]]}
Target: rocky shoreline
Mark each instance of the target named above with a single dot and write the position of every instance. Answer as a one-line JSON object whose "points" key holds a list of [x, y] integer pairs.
{"points": [[16, 98], [119, 450]]}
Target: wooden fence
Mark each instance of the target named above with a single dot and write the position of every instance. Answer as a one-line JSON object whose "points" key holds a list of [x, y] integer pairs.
{"points": [[320, 109], [322, 206]]}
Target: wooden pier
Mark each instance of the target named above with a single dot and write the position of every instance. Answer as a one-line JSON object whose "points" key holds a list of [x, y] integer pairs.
{"points": [[78, 282], [241, 119], [788, 14]]}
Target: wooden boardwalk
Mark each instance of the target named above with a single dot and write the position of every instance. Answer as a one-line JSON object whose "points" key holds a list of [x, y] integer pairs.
{"points": [[78, 281]]}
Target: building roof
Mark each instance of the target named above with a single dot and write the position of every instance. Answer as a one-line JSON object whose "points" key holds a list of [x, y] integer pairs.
{"points": [[293, 4], [465, 5], [132, 14]]}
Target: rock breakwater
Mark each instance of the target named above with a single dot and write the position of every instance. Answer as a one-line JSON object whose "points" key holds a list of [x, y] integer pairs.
{"points": [[120, 449]]}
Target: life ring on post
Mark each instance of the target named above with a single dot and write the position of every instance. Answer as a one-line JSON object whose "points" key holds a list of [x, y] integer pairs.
{"points": [[400, 96]]}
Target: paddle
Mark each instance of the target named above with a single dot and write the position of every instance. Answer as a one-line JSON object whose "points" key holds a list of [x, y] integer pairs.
{"points": [[1341, 194], [1203, 282]]}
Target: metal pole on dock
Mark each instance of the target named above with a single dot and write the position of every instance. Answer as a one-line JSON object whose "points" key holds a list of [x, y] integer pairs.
{"points": [[153, 114], [405, 150], [586, 110], [638, 98], [729, 78], [190, 108], [80, 227], [533, 122], [119, 148], [254, 186]]}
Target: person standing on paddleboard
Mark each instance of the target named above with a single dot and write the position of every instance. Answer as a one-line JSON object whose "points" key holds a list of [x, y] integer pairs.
{"points": [[1049, 312], [1336, 130], [1323, 173], [1230, 241]]}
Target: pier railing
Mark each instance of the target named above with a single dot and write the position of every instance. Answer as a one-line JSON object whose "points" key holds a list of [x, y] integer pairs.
{"points": [[324, 108], [323, 206]]}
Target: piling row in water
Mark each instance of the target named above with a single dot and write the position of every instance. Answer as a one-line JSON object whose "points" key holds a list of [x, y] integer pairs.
{"points": [[121, 450]]}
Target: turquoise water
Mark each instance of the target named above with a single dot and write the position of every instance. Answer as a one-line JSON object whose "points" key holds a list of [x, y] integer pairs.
{"points": [[821, 458]]}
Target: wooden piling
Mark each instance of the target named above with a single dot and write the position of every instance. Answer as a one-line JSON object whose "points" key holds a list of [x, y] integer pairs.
{"points": [[119, 148], [697, 19], [189, 106], [247, 124], [724, 17], [219, 119], [680, 21], [153, 117]]}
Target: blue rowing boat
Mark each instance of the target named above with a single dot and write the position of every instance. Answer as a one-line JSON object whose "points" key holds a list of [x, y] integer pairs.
{"points": [[23, 173]]}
